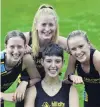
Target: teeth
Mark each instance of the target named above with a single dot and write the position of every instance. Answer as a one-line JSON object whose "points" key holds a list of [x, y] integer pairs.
{"points": [[79, 56]]}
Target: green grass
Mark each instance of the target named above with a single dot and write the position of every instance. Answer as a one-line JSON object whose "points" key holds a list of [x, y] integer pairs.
{"points": [[73, 14]]}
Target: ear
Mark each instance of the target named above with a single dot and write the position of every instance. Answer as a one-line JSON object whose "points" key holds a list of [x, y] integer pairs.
{"points": [[89, 44], [5, 46], [42, 62], [25, 46]]}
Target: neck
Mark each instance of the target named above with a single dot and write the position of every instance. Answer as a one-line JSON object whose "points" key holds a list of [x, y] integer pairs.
{"points": [[44, 43], [51, 80], [9, 64]]}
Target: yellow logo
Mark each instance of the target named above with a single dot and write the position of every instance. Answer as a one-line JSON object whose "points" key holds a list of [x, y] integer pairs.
{"points": [[45, 104]]}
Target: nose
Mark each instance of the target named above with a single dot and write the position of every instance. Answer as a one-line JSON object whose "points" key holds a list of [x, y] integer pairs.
{"points": [[53, 64], [15, 50], [78, 51], [47, 28]]}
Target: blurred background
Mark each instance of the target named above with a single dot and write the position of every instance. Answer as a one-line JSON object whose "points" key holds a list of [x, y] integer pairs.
{"points": [[72, 14]]}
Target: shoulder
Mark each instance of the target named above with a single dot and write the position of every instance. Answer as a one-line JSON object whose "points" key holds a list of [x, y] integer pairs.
{"points": [[96, 60], [27, 60], [27, 57], [27, 36], [73, 97], [31, 92], [62, 41], [96, 55]]}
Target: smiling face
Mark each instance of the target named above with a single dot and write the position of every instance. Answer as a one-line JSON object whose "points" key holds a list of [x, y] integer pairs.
{"points": [[52, 65], [46, 27], [79, 48], [15, 48]]}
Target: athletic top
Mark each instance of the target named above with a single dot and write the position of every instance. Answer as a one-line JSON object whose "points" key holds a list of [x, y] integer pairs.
{"points": [[61, 99], [92, 82], [8, 76]]}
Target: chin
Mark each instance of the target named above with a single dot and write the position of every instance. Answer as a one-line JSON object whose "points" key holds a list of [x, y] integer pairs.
{"points": [[52, 75], [82, 60]]}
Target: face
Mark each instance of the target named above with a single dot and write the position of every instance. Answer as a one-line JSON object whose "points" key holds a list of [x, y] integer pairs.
{"points": [[46, 26], [52, 65], [79, 48], [15, 49]]}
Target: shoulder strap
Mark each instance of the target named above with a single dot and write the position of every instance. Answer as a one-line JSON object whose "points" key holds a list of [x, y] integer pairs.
{"points": [[2, 58]]}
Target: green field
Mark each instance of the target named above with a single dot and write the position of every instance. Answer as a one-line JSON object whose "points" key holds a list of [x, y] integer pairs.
{"points": [[73, 14]]}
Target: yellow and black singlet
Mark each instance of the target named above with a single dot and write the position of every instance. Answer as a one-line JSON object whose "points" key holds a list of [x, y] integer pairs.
{"points": [[8, 76]]}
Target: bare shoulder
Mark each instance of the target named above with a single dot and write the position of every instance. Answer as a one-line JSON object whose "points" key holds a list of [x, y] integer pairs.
{"points": [[27, 36], [26, 33], [73, 97], [31, 91], [27, 61], [73, 89], [96, 60], [62, 41], [27, 57]]}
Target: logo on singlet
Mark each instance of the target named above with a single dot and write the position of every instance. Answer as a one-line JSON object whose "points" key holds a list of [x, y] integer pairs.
{"points": [[53, 104]]}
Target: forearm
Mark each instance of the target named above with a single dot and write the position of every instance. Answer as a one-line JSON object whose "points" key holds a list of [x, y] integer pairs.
{"points": [[7, 96]]}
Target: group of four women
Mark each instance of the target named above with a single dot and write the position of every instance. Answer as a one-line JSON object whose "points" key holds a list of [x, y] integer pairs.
{"points": [[44, 64]]}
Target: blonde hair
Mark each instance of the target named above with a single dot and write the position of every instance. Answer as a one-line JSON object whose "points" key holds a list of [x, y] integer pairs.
{"points": [[44, 9]]}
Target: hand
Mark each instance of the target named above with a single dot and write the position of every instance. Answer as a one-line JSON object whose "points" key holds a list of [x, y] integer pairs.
{"points": [[28, 49], [1, 96], [76, 79], [20, 91]]}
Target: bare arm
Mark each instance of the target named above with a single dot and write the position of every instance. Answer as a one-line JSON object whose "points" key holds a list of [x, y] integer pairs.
{"points": [[7, 96], [62, 41], [96, 61], [29, 64], [73, 97], [27, 36], [70, 67], [30, 97]]}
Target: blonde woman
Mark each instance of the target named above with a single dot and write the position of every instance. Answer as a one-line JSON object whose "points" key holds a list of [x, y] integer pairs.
{"points": [[45, 30]]}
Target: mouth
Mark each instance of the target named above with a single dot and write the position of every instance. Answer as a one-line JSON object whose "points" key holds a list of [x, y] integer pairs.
{"points": [[53, 71], [16, 56], [80, 56], [47, 33]]}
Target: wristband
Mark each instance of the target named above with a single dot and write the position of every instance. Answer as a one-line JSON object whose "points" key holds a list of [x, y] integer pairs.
{"points": [[69, 77]]}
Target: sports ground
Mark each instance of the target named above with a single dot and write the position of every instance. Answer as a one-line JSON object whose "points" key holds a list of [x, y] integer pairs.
{"points": [[72, 15]]}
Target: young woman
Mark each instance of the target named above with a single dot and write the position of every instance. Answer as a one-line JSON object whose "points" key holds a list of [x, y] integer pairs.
{"points": [[51, 92], [87, 65], [45, 30], [13, 61]]}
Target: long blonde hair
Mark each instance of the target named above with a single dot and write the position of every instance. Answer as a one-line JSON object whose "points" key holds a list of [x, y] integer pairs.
{"points": [[43, 10]]}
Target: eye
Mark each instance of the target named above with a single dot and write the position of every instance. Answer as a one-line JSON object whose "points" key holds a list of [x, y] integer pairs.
{"points": [[51, 24], [73, 49], [43, 24], [49, 61], [12, 46], [58, 61], [80, 46], [19, 47]]}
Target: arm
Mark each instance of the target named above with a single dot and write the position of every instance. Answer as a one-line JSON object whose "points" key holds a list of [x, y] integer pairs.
{"points": [[30, 97], [28, 48], [29, 64], [70, 72], [7, 96], [73, 97], [70, 68], [96, 61], [62, 41]]}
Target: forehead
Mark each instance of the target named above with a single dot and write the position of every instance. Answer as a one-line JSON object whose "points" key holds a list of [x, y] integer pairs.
{"points": [[15, 40], [46, 18], [77, 40], [53, 57]]}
